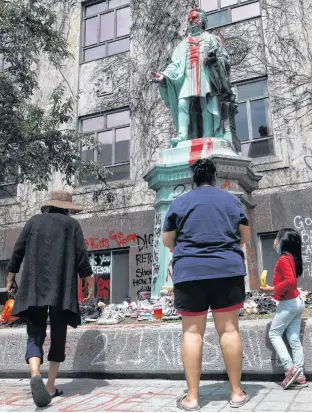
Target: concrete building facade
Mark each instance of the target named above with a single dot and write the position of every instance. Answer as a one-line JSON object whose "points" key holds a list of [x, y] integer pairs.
{"points": [[115, 45]]}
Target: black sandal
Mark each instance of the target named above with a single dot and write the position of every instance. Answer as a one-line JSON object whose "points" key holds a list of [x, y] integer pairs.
{"points": [[57, 393], [39, 392]]}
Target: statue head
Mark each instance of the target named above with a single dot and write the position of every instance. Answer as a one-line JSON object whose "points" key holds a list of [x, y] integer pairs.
{"points": [[197, 21]]}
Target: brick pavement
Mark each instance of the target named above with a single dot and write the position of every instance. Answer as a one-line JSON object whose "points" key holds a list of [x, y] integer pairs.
{"points": [[150, 396]]}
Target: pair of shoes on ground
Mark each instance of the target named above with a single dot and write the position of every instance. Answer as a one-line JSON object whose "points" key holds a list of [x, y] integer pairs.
{"points": [[170, 314], [93, 316], [41, 396], [110, 317], [233, 405]]}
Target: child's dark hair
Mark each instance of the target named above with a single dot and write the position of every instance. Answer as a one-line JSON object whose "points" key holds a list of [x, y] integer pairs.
{"points": [[290, 242], [204, 172]]}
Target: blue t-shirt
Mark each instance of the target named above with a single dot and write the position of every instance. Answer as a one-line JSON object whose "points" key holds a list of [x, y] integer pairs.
{"points": [[207, 222]]}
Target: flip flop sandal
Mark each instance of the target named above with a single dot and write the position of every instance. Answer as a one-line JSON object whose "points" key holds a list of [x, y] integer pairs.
{"points": [[57, 393], [240, 404], [39, 392], [184, 408]]}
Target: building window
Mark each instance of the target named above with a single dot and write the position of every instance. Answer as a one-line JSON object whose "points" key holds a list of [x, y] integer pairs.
{"points": [[221, 12], [8, 188], [268, 254], [113, 133], [253, 121], [111, 275], [3, 275], [106, 29]]}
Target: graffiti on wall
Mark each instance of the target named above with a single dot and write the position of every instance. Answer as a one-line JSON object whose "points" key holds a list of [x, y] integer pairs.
{"points": [[142, 278], [116, 239], [141, 268], [304, 226], [169, 270], [101, 268], [156, 249], [122, 240]]}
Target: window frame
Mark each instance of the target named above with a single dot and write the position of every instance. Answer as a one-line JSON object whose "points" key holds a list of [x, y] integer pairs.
{"points": [[105, 129], [104, 43], [249, 116], [240, 3]]}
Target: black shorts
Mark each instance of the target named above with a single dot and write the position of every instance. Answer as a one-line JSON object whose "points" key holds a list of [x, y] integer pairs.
{"points": [[193, 298]]}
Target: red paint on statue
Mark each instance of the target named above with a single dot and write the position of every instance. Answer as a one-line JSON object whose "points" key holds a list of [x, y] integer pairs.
{"points": [[227, 184], [197, 146], [194, 56], [194, 17], [209, 147]]}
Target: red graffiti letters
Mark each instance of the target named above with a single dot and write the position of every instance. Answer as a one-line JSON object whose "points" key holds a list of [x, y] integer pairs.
{"points": [[97, 243], [121, 239]]}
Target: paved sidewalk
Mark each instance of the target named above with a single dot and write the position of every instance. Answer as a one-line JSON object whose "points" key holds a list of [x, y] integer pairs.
{"points": [[149, 396]]}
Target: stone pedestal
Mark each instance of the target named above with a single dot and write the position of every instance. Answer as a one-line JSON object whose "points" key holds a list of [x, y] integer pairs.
{"points": [[171, 176]]}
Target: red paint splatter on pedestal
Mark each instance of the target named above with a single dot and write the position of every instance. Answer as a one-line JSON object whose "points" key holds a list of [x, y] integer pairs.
{"points": [[209, 147], [227, 184], [197, 146]]}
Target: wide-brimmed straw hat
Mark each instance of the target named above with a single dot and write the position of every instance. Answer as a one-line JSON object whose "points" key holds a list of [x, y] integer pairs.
{"points": [[63, 200]]}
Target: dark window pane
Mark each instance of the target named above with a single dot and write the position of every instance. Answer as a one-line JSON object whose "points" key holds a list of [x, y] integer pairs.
{"points": [[107, 26], [88, 180], [259, 117], [245, 12], [120, 276], [123, 22], [3, 274], [252, 90], [91, 31], [118, 47], [105, 156], [87, 155], [96, 8], [258, 149], [117, 3], [242, 123], [118, 118], [122, 147], [209, 5], [8, 191], [218, 19], [95, 53], [92, 124], [119, 172]]}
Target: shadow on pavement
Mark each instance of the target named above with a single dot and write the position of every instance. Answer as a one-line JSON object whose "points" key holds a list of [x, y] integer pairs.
{"points": [[90, 352], [217, 392]]}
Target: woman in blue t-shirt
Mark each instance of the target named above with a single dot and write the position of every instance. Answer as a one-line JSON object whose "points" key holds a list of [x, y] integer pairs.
{"points": [[207, 228]]}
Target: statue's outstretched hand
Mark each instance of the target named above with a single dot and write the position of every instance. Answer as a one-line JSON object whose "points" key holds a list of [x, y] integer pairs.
{"points": [[157, 77]]}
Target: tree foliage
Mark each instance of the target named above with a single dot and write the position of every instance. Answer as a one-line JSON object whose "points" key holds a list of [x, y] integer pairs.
{"points": [[34, 141]]}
